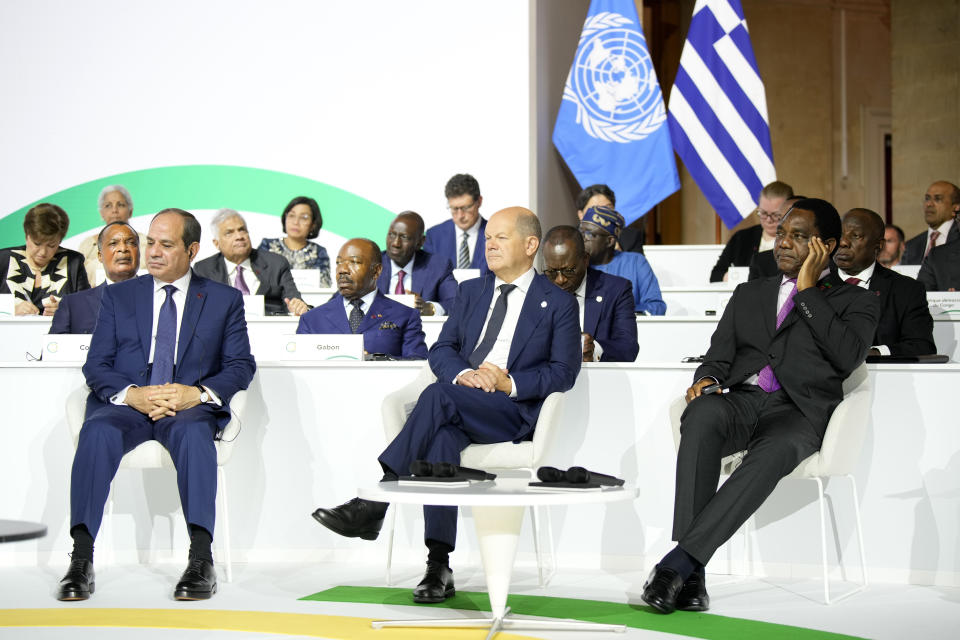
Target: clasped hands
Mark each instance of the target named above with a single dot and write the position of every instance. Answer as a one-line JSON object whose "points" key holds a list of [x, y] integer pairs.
{"points": [[162, 400], [488, 377]]}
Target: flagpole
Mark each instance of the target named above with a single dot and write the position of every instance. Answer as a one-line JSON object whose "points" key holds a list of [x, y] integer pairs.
{"points": [[716, 227]]}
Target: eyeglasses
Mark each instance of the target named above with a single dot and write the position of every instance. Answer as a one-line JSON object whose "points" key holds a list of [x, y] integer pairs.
{"points": [[772, 217], [462, 209], [592, 233], [568, 272]]}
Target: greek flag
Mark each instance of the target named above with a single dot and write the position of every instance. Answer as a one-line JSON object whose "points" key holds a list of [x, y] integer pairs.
{"points": [[718, 111], [612, 123]]}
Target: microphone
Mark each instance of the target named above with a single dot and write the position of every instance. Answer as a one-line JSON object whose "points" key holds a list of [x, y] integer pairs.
{"points": [[424, 468], [579, 475], [550, 474]]}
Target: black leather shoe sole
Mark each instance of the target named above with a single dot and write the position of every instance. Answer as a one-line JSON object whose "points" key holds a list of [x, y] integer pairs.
{"points": [[194, 594], [335, 525], [70, 595], [425, 599], [694, 604], [658, 603]]}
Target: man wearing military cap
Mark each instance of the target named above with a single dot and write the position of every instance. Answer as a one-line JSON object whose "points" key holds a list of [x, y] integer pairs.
{"points": [[600, 229]]}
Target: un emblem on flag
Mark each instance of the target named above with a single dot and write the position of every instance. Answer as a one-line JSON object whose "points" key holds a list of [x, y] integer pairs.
{"points": [[613, 83]]}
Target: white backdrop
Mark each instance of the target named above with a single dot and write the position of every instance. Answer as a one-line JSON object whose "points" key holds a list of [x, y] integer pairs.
{"points": [[383, 99]]}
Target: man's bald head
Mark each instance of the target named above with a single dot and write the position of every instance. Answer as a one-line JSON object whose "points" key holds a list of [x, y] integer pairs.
{"points": [[405, 237], [565, 258], [860, 242], [512, 238]]}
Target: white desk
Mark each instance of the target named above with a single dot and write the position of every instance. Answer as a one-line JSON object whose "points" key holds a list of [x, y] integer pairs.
{"points": [[707, 300], [497, 508], [682, 265]]}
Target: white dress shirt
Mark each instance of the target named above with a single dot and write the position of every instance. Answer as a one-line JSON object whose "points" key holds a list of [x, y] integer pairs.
{"points": [[408, 283], [500, 351], [364, 308], [253, 282], [581, 295], [944, 229]]}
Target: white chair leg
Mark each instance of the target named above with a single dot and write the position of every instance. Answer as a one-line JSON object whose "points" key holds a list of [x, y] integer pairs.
{"points": [[535, 525], [550, 546], [391, 526], [823, 539], [225, 525], [746, 546], [856, 512]]}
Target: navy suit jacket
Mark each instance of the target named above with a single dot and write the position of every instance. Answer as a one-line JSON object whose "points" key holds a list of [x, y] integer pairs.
{"points": [[77, 312], [212, 349], [442, 240], [388, 326], [545, 351], [432, 277], [608, 316], [273, 272], [906, 325]]}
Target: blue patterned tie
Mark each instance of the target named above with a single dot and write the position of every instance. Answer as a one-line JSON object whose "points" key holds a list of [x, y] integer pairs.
{"points": [[162, 371]]}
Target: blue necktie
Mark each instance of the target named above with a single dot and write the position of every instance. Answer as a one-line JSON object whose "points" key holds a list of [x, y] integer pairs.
{"points": [[162, 371]]}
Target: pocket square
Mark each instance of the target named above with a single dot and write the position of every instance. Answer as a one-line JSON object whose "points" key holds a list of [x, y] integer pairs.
{"points": [[388, 325]]}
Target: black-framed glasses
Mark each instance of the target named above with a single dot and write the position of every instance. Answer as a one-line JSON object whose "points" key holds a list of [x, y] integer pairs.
{"points": [[568, 273]]}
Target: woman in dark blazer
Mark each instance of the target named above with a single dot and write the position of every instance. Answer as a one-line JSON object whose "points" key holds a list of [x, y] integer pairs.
{"points": [[41, 272]]}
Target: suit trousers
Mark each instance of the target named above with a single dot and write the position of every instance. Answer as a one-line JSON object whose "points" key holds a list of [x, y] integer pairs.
{"points": [[111, 431], [446, 419], [776, 436]]}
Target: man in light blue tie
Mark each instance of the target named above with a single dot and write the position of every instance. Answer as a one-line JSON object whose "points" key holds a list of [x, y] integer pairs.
{"points": [[169, 351]]}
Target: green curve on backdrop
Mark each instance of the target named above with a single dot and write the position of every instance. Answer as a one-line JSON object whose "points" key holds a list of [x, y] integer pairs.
{"points": [[209, 187]]}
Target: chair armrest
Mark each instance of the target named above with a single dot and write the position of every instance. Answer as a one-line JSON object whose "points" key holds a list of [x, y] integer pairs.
{"points": [[238, 408], [396, 406], [550, 412]]}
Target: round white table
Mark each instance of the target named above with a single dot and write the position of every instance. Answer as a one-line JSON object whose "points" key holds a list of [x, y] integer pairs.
{"points": [[498, 508]]}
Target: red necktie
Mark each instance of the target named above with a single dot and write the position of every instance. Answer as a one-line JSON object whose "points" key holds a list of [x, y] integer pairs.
{"points": [[933, 242], [399, 288], [852, 280]]}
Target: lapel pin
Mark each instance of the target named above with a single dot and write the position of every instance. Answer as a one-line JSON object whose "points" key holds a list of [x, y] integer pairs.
{"points": [[543, 304], [599, 298]]}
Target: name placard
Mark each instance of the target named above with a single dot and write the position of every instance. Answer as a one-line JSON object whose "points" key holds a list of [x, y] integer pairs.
{"points": [[306, 279], [404, 298], [736, 275], [465, 274], [66, 347], [8, 305], [944, 302], [306, 347], [253, 305], [909, 270]]}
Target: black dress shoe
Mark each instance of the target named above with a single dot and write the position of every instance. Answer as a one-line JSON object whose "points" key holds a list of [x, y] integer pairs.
{"points": [[437, 584], [661, 589], [354, 519], [693, 595], [198, 582], [77, 584]]}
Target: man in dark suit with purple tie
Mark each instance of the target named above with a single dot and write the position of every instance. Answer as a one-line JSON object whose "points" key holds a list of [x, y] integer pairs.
{"points": [[169, 351], [511, 340], [782, 350], [607, 320], [406, 268], [118, 248]]}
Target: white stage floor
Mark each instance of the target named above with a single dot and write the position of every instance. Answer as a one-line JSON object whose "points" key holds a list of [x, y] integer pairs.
{"points": [[265, 601]]}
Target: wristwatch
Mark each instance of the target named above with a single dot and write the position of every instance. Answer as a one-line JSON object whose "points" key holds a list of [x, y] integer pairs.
{"points": [[204, 396]]}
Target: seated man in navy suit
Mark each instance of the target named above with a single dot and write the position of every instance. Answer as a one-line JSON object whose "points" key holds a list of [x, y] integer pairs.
{"points": [[250, 270], [607, 321], [388, 327], [460, 239], [118, 248], [409, 269], [488, 389], [906, 326], [169, 351]]}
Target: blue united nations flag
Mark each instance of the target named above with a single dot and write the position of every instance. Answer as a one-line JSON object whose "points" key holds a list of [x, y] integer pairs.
{"points": [[612, 123]]}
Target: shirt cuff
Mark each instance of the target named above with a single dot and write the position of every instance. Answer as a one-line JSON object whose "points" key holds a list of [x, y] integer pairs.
{"points": [[120, 397], [513, 387], [597, 351], [883, 349], [214, 398], [460, 374], [438, 309]]}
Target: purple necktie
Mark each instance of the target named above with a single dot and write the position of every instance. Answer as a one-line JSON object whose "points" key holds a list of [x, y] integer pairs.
{"points": [[765, 379], [240, 283], [399, 290]]}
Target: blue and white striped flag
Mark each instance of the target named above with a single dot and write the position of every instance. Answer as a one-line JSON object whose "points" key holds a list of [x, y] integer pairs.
{"points": [[612, 127], [718, 111]]}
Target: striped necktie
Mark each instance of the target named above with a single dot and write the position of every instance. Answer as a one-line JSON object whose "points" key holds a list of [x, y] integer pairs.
{"points": [[463, 259]]}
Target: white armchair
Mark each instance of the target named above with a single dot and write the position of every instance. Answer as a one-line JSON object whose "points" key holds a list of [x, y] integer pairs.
{"points": [[525, 455], [838, 455], [152, 455]]}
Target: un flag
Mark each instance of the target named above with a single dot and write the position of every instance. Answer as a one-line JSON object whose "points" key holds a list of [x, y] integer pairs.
{"points": [[612, 125]]}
